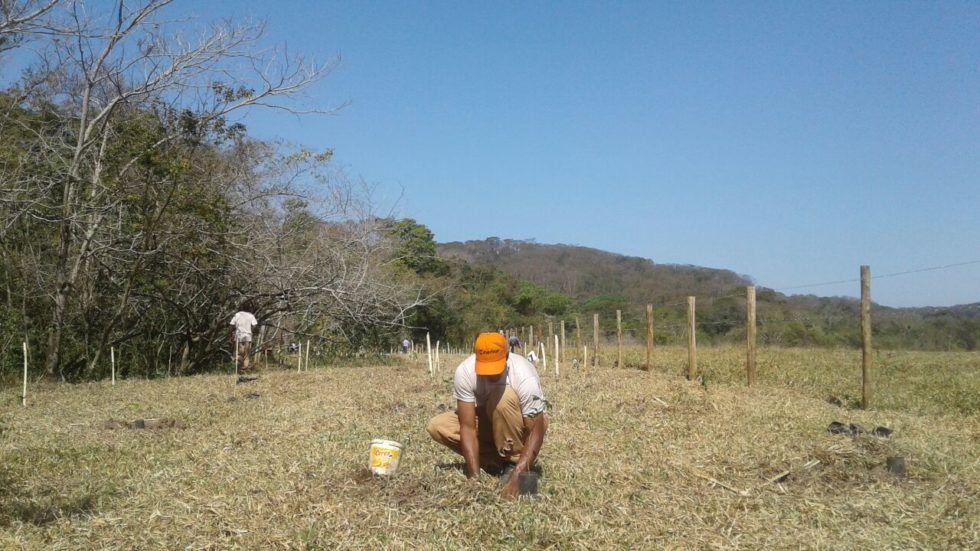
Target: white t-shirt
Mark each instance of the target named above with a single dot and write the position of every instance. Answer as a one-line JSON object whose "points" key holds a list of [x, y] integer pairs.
{"points": [[244, 322], [520, 375]]}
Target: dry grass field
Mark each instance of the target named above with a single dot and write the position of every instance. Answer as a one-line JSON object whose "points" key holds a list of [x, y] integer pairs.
{"points": [[632, 460]]}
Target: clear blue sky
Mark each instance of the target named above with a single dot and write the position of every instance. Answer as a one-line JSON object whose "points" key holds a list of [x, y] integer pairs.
{"points": [[786, 141]]}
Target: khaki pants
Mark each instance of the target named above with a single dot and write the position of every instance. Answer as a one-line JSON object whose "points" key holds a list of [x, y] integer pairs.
{"points": [[501, 430], [244, 349]]}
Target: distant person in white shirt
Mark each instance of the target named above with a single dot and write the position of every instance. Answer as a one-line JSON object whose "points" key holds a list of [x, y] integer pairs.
{"points": [[500, 417], [243, 322]]}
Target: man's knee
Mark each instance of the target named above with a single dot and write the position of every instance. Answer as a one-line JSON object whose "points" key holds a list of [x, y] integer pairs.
{"points": [[442, 427], [508, 409], [433, 429]]}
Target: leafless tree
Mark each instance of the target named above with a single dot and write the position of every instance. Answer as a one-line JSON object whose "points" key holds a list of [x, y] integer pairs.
{"points": [[23, 18], [323, 261], [98, 72]]}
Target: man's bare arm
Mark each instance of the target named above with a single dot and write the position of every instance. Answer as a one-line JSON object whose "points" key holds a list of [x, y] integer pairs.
{"points": [[539, 426], [468, 442]]}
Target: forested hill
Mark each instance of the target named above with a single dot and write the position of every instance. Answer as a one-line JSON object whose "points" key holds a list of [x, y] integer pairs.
{"points": [[600, 281], [582, 272], [965, 311]]}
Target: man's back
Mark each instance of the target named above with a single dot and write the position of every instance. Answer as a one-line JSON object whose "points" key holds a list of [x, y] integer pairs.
{"points": [[244, 322]]}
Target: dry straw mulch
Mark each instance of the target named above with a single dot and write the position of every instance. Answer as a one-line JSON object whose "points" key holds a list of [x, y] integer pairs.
{"points": [[632, 459]]}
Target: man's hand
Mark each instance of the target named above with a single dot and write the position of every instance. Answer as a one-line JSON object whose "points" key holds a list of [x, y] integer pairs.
{"points": [[513, 486], [539, 426]]}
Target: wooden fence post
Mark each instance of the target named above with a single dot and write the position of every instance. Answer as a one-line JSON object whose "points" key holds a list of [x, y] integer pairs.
{"points": [[867, 386], [557, 370], [692, 346], [578, 337], [750, 334], [595, 340], [649, 336], [530, 338], [619, 339]]}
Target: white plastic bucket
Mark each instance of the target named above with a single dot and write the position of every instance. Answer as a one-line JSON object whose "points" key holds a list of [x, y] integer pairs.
{"points": [[385, 455]]}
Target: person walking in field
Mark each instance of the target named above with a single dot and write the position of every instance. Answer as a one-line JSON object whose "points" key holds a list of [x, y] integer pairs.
{"points": [[243, 322], [500, 418]]}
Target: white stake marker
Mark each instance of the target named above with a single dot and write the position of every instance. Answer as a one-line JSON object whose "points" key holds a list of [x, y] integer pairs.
{"points": [[236, 354], [112, 355], [23, 398], [428, 351]]}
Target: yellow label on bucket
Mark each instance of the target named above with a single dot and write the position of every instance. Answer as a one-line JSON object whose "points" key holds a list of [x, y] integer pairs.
{"points": [[384, 458]]}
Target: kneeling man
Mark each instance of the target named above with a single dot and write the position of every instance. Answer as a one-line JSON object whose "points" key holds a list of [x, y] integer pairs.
{"points": [[500, 417]]}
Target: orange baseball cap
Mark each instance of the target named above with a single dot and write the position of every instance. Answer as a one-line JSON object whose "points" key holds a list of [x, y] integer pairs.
{"points": [[491, 353]]}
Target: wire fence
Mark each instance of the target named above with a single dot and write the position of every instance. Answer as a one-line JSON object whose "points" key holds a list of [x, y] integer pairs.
{"points": [[722, 318], [712, 325]]}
